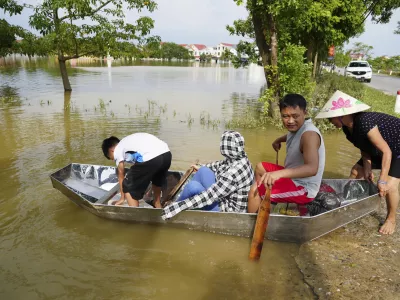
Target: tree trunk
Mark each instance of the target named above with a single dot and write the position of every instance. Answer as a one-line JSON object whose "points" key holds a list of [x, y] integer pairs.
{"points": [[274, 75], [67, 122], [261, 42], [310, 49], [64, 74], [265, 30], [315, 64]]}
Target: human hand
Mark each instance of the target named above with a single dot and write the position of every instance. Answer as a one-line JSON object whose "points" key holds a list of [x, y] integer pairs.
{"points": [[382, 187], [196, 167], [269, 178], [276, 145], [368, 175]]}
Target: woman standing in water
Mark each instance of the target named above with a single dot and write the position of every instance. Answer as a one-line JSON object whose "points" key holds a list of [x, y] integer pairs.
{"points": [[377, 135]]}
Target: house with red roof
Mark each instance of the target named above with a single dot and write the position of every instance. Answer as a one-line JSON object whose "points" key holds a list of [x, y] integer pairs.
{"points": [[196, 49]]}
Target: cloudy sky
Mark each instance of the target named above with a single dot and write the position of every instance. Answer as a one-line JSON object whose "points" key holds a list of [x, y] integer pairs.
{"points": [[204, 22]]}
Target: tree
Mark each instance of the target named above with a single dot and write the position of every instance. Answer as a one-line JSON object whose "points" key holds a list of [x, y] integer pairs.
{"points": [[274, 25], [72, 29], [361, 48], [172, 50], [342, 58], [7, 38], [397, 31], [226, 55]]}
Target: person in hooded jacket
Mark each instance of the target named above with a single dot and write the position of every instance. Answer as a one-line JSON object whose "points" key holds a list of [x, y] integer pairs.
{"points": [[221, 185]]}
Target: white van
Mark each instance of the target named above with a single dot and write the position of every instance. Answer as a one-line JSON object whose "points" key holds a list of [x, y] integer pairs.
{"points": [[359, 69]]}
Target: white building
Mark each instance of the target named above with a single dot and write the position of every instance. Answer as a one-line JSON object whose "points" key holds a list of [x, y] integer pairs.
{"points": [[208, 51], [221, 47], [196, 49]]}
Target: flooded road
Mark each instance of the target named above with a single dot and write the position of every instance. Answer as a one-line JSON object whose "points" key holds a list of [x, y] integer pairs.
{"points": [[51, 249]]}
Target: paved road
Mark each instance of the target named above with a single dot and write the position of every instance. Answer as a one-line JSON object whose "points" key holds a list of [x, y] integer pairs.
{"points": [[388, 84]]}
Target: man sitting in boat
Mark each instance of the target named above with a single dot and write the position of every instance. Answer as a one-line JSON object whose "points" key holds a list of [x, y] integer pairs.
{"points": [[221, 185], [151, 160], [300, 178]]}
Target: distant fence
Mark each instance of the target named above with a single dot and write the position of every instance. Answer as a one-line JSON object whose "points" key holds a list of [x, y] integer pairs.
{"points": [[386, 72]]}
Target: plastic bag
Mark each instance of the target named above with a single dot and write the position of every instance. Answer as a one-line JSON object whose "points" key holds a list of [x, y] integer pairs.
{"points": [[326, 188], [323, 202], [356, 189]]}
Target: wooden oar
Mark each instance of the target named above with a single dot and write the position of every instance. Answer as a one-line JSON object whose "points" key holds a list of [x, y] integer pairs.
{"points": [[260, 227], [277, 155], [176, 188]]}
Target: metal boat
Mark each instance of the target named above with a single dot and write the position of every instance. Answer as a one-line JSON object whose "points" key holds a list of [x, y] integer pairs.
{"points": [[92, 186]]}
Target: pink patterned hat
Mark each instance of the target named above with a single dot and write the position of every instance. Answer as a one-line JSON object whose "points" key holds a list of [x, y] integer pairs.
{"points": [[341, 104]]}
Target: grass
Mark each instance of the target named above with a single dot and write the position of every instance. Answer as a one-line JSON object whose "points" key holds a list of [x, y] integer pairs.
{"points": [[9, 96], [326, 85]]}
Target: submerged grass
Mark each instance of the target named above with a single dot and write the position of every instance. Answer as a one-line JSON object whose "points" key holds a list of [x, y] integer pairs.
{"points": [[9, 97]]}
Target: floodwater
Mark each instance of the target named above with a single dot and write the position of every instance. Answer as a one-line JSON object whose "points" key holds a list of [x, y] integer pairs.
{"points": [[52, 249]]}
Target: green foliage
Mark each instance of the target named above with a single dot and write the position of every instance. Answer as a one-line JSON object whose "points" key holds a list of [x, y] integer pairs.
{"points": [[61, 23], [342, 58], [226, 55], [362, 48], [75, 28], [397, 31], [172, 50], [205, 57], [294, 76], [155, 49], [326, 85], [7, 38], [386, 64], [295, 72], [11, 6]]}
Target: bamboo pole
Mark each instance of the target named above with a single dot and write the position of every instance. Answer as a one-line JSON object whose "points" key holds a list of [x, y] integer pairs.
{"points": [[261, 227]]}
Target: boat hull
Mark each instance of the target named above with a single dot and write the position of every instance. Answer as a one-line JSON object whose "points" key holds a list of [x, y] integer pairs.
{"points": [[280, 227]]}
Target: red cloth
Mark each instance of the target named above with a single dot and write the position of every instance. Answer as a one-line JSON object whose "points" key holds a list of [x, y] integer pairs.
{"points": [[326, 188], [284, 190]]}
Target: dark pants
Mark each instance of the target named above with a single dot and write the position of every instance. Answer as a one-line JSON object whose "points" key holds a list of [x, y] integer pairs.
{"points": [[139, 176]]}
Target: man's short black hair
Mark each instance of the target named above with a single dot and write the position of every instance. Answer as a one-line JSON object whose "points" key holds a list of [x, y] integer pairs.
{"points": [[293, 100], [108, 143]]}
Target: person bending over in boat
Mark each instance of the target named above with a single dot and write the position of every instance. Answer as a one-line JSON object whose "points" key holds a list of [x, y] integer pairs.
{"points": [[151, 160], [377, 137], [300, 178], [221, 185]]}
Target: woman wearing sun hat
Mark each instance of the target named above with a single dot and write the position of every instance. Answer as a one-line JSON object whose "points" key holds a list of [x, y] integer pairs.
{"points": [[377, 135]]}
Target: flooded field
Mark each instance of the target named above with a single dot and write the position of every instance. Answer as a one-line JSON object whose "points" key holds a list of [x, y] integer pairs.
{"points": [[51, 249]]}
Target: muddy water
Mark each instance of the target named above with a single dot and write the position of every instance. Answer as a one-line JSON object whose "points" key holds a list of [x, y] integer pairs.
{"points": [[51, 249]]}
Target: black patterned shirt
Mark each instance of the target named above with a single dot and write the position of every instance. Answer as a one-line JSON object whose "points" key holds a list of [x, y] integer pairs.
{"points": [[389, 128]]}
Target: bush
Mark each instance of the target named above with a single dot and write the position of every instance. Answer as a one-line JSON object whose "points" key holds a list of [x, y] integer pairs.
{"points": [[294, 76], [325, 86]]}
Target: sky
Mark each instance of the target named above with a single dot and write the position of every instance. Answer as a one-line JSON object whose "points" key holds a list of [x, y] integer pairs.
{"points": [[204, 22]]}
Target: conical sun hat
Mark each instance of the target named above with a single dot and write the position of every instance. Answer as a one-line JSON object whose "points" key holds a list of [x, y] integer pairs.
{"points": [[341, 104]]}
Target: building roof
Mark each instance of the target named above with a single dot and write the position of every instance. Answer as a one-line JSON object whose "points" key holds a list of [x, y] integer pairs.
{"points": [[226, 44], [200, 46], [183, 45]]}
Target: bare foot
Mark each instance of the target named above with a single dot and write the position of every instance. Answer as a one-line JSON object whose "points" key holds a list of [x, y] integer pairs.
{"points": [[388, 227], [156, 204]]}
